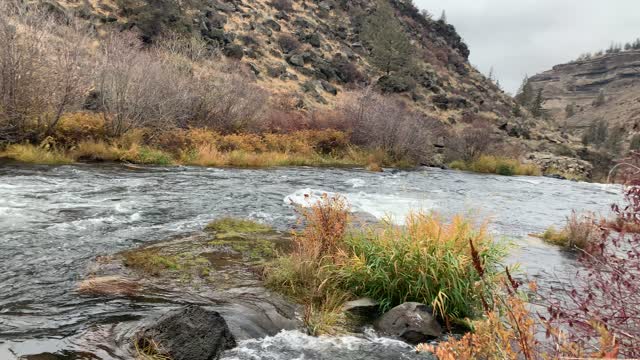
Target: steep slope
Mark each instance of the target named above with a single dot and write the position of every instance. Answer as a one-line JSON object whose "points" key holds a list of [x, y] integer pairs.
{"points": [[313, 49], [604, 87]]}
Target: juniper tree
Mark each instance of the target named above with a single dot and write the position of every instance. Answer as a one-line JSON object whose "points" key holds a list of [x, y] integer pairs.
{"points": [[536, 107], [383, 33], [525, 93]]}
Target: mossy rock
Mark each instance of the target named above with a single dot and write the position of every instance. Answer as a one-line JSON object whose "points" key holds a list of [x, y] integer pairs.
{"points": [[243, 226]]}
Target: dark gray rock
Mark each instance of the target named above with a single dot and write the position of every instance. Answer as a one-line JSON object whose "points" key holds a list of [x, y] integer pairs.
{"points": [[272, 24], [296, 60], [326, 86], [233, 51], [189, 333], [413, 322]]}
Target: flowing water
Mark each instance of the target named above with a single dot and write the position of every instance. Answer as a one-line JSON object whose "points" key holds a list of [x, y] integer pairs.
{"points": [[55, 220]]}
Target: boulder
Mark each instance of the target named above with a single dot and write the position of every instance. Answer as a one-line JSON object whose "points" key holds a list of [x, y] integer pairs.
{"points": [[188, 333], [413, 322], [296, 60]]}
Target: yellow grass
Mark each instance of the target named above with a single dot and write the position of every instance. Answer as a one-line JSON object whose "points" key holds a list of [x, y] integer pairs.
{"points": [[490, 164], [35, 154]]}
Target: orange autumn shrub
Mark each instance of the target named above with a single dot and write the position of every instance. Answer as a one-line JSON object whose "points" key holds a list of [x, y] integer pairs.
{"points": [[81, 126]]}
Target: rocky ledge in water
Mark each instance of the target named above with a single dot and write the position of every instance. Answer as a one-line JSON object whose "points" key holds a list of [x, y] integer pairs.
{"points": [[218, 269], [216, 275]]}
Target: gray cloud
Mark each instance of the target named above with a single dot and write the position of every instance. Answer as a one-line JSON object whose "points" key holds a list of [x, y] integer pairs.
{"points": [[529, 36]]}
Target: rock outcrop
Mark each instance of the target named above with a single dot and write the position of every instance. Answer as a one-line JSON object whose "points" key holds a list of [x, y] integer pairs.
{"points": [[411, 321], [189, 333], [614, 78]]}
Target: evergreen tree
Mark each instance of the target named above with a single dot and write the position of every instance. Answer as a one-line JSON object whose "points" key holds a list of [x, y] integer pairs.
{"points": [[525, 93], [383, 33], [536, 107]]}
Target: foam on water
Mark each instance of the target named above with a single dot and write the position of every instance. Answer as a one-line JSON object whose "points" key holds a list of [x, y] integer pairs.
{"points": [[391, 207], [291, 345]]}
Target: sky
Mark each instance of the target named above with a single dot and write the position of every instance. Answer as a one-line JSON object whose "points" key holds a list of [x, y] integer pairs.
{"points": [[526, 37]]}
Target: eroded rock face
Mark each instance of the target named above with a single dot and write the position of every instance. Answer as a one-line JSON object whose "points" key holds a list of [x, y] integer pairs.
{"points": [[413, 322], [579, 83], [568, 166], [189, 333]]}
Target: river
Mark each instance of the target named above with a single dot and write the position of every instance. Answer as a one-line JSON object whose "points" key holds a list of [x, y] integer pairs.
{"points": [[54, 220]]}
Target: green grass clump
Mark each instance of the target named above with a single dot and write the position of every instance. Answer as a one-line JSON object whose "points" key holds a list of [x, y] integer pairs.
{"points": [[35, 154], [427, 261], [150, 156], [232, 225], [150, 261], [489, 164]]}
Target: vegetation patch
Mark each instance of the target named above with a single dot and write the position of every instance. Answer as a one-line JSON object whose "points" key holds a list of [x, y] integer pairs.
{"points": [[579, 231], [36, 154], [151, 261], [232, 225], [428, 261], [490, 164]]}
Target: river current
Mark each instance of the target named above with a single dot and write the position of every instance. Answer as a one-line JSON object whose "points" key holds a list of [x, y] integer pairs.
{"points": [[54, 220]]}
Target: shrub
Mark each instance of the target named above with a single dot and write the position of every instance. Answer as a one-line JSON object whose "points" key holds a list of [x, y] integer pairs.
{"points": [[580, 231], [77, 127], [471, 142], [604, 292], [381, 122], [288, 43], [427, 261], [489, 164]]}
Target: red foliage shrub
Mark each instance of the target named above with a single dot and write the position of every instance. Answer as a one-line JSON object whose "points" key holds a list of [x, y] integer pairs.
{"points": [[606, 291]]}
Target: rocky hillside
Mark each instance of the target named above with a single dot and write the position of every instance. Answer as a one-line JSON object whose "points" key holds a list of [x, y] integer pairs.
{"points": [[580, 93], [313, 50]]}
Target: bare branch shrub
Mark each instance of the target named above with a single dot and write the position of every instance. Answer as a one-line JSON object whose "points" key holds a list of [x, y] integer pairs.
{"points": [[288, 43], [42, 72], [384, 123], [226, 102], [139, 88], [471, 142]]}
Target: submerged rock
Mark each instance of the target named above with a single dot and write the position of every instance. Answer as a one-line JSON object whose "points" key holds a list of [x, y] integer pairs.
{"points": [[189, 333], [413, 322]]}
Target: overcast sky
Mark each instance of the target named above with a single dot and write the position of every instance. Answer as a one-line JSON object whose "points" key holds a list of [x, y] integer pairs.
{"points": [[519, 37]]}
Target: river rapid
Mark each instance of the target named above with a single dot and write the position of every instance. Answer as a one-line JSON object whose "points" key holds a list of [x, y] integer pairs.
{"points": [[54, 221]]}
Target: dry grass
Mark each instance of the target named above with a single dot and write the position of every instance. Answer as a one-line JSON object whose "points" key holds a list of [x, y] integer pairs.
{"points": [[36, 154], [580, 231], [201, 147], [490, 164], [508, 332]]}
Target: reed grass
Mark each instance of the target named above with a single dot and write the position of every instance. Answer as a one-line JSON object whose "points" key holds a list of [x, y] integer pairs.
{"points": [[428, 260]]}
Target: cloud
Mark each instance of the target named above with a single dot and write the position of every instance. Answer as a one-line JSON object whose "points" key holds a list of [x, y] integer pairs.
{"points": [[530, 36]]}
